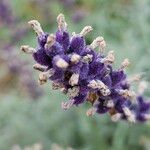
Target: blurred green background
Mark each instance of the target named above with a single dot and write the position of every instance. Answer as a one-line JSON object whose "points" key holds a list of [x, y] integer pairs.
{"points": [[32, 114]]}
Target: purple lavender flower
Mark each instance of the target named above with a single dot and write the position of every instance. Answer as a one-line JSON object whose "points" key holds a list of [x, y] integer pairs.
{"points": [[5, 13], [85, 75], [17, 71]]}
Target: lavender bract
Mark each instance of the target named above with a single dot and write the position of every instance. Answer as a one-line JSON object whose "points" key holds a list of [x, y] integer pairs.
{"points": [[85, 75]]}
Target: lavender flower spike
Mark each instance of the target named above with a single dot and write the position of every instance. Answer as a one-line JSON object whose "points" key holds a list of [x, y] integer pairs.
{"points": [[85, 75]]}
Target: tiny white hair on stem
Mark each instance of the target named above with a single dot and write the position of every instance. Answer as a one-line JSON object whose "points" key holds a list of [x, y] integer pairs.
{"points": [[56, 85], [73, 34], [86, 30], [74, 79], [102, 46], [93, 84], [63, 90], [87, 58], [36, 27], [91, 111], [27, 49], [73, 92], [50, 41], [127, 93], [116, 117], [129, 114], [67, 105], [109, 59], [105, 91], [142, 87], [135, 78], [43, 76], [62, 25], [75, 58], [125, 64], [97, 42], [110, 103], [97, 84], [39, 67], [61, 63]]}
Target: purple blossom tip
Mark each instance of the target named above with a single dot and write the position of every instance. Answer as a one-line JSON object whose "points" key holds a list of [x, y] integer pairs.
{"points": [[86, 75]]}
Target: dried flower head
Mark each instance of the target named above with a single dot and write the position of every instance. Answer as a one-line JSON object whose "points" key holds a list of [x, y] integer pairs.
{"points": [[85, 75]]}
